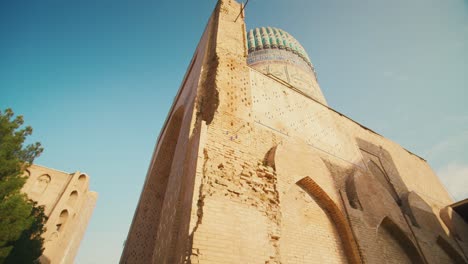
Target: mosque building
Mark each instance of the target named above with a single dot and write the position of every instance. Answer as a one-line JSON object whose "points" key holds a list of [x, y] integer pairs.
{"points": [[253, 166]]}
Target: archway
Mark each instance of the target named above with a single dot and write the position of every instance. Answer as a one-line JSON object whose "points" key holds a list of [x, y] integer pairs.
{"points": [[62, 221], [144, 228], [396, 246], [336, 216], [72, 198]]}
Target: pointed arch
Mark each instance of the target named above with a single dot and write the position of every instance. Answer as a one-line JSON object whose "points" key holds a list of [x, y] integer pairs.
{"points": [[392, 236], [62, 220], [422, 213], [82, 179], [450, 251], [339, 220], [73, 198]]}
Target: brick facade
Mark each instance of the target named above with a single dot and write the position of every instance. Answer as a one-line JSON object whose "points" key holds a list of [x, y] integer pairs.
{"points": [[68, 204], [249, 169]]}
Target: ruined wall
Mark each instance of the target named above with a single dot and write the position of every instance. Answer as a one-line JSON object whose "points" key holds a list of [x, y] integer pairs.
{"points": [[349, 149], [68, 205], [237, 211], [163, 211], [249, 169]]}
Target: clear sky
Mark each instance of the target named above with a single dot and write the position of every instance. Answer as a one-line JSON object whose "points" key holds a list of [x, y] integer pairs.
{"points": [[95, 79]]}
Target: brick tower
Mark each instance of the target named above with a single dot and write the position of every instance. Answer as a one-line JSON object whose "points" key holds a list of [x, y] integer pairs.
{"points": [[68, 204], [253, 166]]}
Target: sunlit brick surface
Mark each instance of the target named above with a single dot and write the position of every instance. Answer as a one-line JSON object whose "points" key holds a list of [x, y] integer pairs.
{"points": [[261, 172], [69, 205]]}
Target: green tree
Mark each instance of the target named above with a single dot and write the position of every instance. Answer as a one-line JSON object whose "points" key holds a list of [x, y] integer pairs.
{"points": [[21, 220]]}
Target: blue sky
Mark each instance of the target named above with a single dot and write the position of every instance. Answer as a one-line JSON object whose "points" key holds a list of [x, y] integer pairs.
{"points": [[95, 79]]}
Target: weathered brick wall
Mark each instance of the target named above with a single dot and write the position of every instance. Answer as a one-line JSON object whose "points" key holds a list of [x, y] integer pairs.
{"points": [[261, 173], [171, 172]]}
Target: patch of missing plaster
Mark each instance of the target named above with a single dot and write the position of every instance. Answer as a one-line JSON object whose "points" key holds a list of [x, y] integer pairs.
{"points": [[208, 97], [249, 182], [273, 212]]}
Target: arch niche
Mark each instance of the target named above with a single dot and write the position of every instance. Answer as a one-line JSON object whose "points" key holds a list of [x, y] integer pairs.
{"points": [[41, 184], [396, 246], [82, 181], [144, 228], [310, 217], [62, 220], [73, 198], [385, 223]]}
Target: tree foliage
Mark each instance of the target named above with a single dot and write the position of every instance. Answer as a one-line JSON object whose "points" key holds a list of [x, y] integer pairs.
{"points": [[21, 220]]}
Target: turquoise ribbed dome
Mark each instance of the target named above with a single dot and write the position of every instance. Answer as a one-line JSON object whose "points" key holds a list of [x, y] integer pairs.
{"points": [[274, 38]]}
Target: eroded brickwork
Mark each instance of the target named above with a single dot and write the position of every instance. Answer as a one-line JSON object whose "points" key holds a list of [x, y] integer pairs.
{"points": [[259, 172]]}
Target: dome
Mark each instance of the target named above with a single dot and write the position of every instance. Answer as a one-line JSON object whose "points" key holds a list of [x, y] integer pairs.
{"points": [[277, 54], [265, 38]]}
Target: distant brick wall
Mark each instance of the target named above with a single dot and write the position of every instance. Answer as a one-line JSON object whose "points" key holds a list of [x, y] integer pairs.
{"points": [[69, 205]]}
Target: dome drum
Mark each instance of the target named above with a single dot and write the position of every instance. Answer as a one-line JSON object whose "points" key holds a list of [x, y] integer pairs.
{"points": [[283, 56], [272, 38]]}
